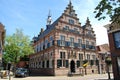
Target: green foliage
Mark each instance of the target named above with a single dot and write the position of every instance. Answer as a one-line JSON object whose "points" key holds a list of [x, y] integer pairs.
{"points": [[16, 46], [108, 61], [111, 8]]}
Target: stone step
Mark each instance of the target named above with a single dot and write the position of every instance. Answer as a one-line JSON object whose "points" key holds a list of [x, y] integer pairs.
{"points": [[75, 74]]}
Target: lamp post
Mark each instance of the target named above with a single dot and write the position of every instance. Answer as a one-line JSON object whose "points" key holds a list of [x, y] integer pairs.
{"points": [[8, 68], [108, 63]]}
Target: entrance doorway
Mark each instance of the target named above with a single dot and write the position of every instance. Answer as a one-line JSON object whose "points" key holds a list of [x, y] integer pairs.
{"points": [[72, 66]]}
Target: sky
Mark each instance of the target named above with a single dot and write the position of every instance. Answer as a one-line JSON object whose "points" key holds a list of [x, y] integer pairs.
{"points": [[31, 15]]}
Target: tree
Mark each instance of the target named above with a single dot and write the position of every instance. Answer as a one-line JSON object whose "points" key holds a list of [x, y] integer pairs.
{"points": [[16, 46], [111, 8]]}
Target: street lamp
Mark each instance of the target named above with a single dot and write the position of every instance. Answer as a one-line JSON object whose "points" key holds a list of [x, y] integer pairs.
{"points": [[8, 68], [108, 63]]}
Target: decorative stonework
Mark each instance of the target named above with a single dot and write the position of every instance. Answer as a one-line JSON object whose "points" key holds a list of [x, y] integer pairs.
{"points": [[112, 27]]}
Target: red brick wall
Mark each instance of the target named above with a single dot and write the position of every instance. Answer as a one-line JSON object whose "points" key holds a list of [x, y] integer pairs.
{"points": [[114, 54]]}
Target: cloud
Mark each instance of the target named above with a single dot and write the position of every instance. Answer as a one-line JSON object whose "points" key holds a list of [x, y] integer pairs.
{"points": [[101, 34]]}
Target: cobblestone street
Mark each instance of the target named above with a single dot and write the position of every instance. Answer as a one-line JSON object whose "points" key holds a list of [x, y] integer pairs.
{"points": [[86, 77]]}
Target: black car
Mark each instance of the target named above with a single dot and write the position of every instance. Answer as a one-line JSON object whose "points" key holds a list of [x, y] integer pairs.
{"points": [[21, 72]]}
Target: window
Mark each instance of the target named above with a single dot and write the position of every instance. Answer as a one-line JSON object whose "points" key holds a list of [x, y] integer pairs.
{"points": [[88, 56], [75, 29], [93, 56], [43, 64], [71, 13], [46, 42], [117, 39], [42, 46], [80, 56], [50, 55], [72, 42], [39, 64], [51, 40], [68, 55], [78, 64], [71, 21], [39, 47], [67, 27], [59, 63], [62, 40], [47, 63], [89, 33], [91, 62], [87, 44], [62, 55], [79, 42], [67, 64], [36, 48], [62, 62]]}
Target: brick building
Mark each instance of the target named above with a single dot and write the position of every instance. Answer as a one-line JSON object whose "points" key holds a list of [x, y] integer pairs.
{"points": [[2, 36], [103, 53], [114, 41], [62, 47]]}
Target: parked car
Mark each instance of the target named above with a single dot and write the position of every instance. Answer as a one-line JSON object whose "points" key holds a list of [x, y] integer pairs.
{"points": [[21, 72]]}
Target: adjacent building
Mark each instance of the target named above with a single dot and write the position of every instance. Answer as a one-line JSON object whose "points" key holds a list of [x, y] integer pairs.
{"points": [[2, 36], [62, 47], [103, 53], [113, 30]]}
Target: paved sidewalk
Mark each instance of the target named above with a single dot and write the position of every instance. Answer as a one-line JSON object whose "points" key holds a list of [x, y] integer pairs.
{"points": [[86, 77]]}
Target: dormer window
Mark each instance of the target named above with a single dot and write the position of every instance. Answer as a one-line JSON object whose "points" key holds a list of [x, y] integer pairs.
{"points": [[71, 13], [71, 21], [89, 32]]}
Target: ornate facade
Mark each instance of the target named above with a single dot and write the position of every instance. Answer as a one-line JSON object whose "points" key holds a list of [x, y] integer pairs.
{"points": [[62, 47], [2, 36]]}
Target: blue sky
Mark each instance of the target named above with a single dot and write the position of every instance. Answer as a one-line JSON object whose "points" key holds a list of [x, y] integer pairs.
{"points": [[31, 15]]}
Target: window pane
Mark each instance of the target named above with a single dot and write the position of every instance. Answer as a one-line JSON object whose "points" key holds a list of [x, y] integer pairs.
{"points": [[61, 55], [62, 37], [117, 39], [71, 21], [48, 64], [67, 64], [59, 63], [78, 64]]}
